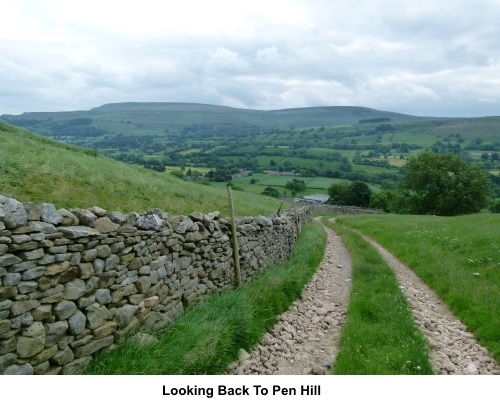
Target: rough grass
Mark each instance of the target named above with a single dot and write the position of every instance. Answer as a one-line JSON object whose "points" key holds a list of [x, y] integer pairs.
{"points": [[208, 336]]}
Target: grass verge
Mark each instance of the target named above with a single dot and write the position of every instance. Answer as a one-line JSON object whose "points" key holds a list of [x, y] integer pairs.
{"points": [[380, 336], [208, 336], [458, 257]]}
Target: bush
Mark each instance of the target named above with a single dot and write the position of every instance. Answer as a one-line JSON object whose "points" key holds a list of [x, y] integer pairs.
{"points": [[356, 193], [495, 206], [178, 174], [271, 192]]}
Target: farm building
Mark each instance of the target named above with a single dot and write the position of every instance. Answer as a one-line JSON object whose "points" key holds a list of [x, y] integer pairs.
{"points": [[314, 199]]}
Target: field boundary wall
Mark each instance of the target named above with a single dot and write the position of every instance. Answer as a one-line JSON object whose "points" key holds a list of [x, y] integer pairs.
{"points": [[79, 281]]}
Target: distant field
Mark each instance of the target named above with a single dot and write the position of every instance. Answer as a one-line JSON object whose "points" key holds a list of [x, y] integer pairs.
{"points": [[188, 151], [314, 185], [313, 141], [372, 169], [197, 169], [282, 180], [419, 138], [397, 162]]}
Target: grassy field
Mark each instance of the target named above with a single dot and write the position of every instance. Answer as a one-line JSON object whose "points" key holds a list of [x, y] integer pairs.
{"points": [[380, 336], [208, 336], [34, 168], [458, 257], [314, 185], [203, 170]]}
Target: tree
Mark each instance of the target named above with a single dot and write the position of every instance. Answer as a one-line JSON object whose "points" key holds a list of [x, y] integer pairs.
{"points": [[356, 193], [296, 186], [339, 193], [444, 184], [382, 200], [389, 201], [495, 206], [271, 192], [177, 173], [220, 174], [359, 194]]}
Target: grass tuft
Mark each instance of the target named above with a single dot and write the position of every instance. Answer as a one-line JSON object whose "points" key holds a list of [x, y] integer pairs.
{"points": [[34, 168]]}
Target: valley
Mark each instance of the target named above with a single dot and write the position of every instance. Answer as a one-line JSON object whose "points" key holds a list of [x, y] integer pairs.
{"points": [[320, 145]]}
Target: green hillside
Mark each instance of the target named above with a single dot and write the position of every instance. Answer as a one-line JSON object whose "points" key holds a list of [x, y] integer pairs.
{"points": [[34, 168]]}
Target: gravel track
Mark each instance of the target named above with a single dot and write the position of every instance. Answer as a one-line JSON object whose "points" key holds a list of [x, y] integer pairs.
{"points": [[306, 338]]}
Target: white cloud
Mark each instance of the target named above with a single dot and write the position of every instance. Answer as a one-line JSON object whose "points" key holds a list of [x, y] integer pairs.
{"points": [[224, 61]]}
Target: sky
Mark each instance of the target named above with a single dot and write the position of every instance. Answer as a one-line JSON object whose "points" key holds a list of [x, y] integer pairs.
{"points": [[420, 57]]}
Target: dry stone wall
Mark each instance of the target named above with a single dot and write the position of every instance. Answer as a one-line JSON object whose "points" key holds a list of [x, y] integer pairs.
{"points": [[79, 281], [341, 209]]}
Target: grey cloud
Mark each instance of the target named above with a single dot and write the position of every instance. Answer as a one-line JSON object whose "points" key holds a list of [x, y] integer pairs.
{"points": [[462, 55]]}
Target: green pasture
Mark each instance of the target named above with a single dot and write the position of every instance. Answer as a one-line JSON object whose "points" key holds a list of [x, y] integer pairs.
{"points": [[202, 170]]}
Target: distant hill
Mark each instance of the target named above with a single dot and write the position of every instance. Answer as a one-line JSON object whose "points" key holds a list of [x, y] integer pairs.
{"points": [[139, 118], [34, 168]]}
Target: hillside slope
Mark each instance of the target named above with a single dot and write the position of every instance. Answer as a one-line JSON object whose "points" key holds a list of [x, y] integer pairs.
{"points": [[34, 168]]}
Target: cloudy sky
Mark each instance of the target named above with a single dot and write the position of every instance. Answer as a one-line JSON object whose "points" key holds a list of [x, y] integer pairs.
{"points": [[422, 57]]}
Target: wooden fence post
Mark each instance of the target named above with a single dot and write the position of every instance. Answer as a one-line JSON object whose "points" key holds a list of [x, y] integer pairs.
{"points": [[236, 253], [296, 218], [279, 209]]}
